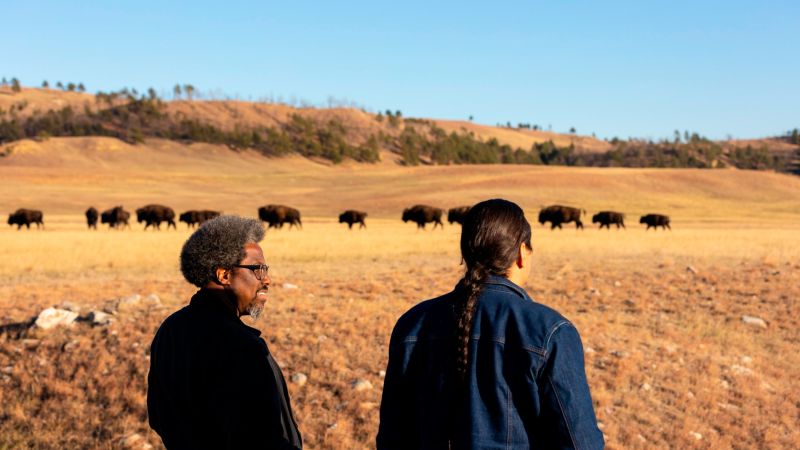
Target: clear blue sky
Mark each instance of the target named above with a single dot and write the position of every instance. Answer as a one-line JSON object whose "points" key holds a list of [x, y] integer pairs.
{"points": [[625, 68]]}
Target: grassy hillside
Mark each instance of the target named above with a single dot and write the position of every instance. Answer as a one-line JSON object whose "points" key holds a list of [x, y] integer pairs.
{"points": [[66, 175]]}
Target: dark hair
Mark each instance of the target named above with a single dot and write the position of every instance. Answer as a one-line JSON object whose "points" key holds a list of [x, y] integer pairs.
{"points": [[491, 236], [218, 242]]}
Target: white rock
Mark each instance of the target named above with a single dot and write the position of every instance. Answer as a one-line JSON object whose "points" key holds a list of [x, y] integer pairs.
{"points": [[299, 378], [697, 436], [382, 373], [618, 284], [362, 385], [289, 286], [746, 359], [588, 350], [645, 387], [99, 318], [52, 317], [754, 321]]}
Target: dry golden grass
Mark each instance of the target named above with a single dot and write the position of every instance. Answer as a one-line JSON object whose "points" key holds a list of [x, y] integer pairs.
{"points": [[668, 357]]}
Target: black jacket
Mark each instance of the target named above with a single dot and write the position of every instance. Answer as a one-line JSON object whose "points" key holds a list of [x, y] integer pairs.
{"points": [[213, 383]]}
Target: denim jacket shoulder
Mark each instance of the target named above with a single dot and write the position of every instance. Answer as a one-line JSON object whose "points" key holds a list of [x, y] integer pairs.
{"points": [[506, 312]]}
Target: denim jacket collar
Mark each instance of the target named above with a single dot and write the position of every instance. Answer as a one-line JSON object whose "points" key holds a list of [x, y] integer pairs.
{"points": [[503, 281]]}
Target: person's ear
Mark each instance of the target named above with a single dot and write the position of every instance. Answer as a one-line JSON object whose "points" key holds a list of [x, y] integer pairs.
{"points": [[223, 276], [522, 256]]}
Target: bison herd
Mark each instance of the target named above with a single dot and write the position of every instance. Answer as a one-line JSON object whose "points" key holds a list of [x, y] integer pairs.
{"points": [[276, 216]]}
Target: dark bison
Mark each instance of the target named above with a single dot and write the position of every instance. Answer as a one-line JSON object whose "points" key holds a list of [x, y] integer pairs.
{"points": [[352, 216], [655, 221], [193, 217], [422, 214], [458, 214], [557, 214], [277, 215], [115, 217], [153, 215], [91, 217], [26, 217], [607, 218]]}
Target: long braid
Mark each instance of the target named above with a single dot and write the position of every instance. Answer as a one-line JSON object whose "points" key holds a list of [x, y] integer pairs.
{"points": [[474, 277]]}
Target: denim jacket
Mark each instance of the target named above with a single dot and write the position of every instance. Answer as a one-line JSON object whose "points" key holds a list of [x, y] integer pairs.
{"points": [[525, 383]]}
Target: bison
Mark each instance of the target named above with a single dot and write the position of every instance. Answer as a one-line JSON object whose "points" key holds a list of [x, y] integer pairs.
{"points": [[277, 215], [422, 214], [115, 217], [352, 216], [193, 217], [557, 214], [26, 217], [153, 215], [91, 217], [655, 221], [458, 214], [606, 218]]}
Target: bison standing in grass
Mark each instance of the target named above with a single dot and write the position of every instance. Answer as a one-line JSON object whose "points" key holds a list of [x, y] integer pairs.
{"points": [[558, 214], [608, 218], [153, 215], [115, 217], [655, 221], [193, 217], [458, 214], [91, 217], [422, 214], [277, 215], [26, 217], [352, 216]]}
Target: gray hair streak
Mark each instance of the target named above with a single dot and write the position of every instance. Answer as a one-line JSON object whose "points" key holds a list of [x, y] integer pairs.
{"points": [[218, 242]]}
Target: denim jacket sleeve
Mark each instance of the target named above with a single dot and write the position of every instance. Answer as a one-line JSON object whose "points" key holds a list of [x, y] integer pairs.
{"points": [[392, 430], [567, 411]]}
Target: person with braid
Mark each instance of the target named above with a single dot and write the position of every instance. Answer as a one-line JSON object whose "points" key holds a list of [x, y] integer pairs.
{"points": [[484, 366]]}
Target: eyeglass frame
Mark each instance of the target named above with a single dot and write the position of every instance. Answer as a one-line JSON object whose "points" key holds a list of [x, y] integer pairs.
{"points": [[254, 268]]}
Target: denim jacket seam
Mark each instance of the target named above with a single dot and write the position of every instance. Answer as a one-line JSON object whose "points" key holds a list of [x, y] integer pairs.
{"points": [[537, 350], [553, 330], [563, 413]]}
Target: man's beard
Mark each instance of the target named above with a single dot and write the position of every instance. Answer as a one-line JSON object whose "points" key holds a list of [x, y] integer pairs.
{"points": [[254, 310]]}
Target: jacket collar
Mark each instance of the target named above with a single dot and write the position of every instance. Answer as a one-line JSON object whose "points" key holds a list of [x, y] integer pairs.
{"points": [[214, 302], [503, 281]]}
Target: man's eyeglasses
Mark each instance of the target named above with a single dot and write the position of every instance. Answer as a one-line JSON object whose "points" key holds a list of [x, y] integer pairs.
{"points": [[259, 270]]}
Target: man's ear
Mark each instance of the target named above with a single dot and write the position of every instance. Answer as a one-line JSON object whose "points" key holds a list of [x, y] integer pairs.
{"points": [[223, 276]]}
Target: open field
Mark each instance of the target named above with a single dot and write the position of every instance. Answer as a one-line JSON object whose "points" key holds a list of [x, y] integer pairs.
{"points": [[669, 360]]}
